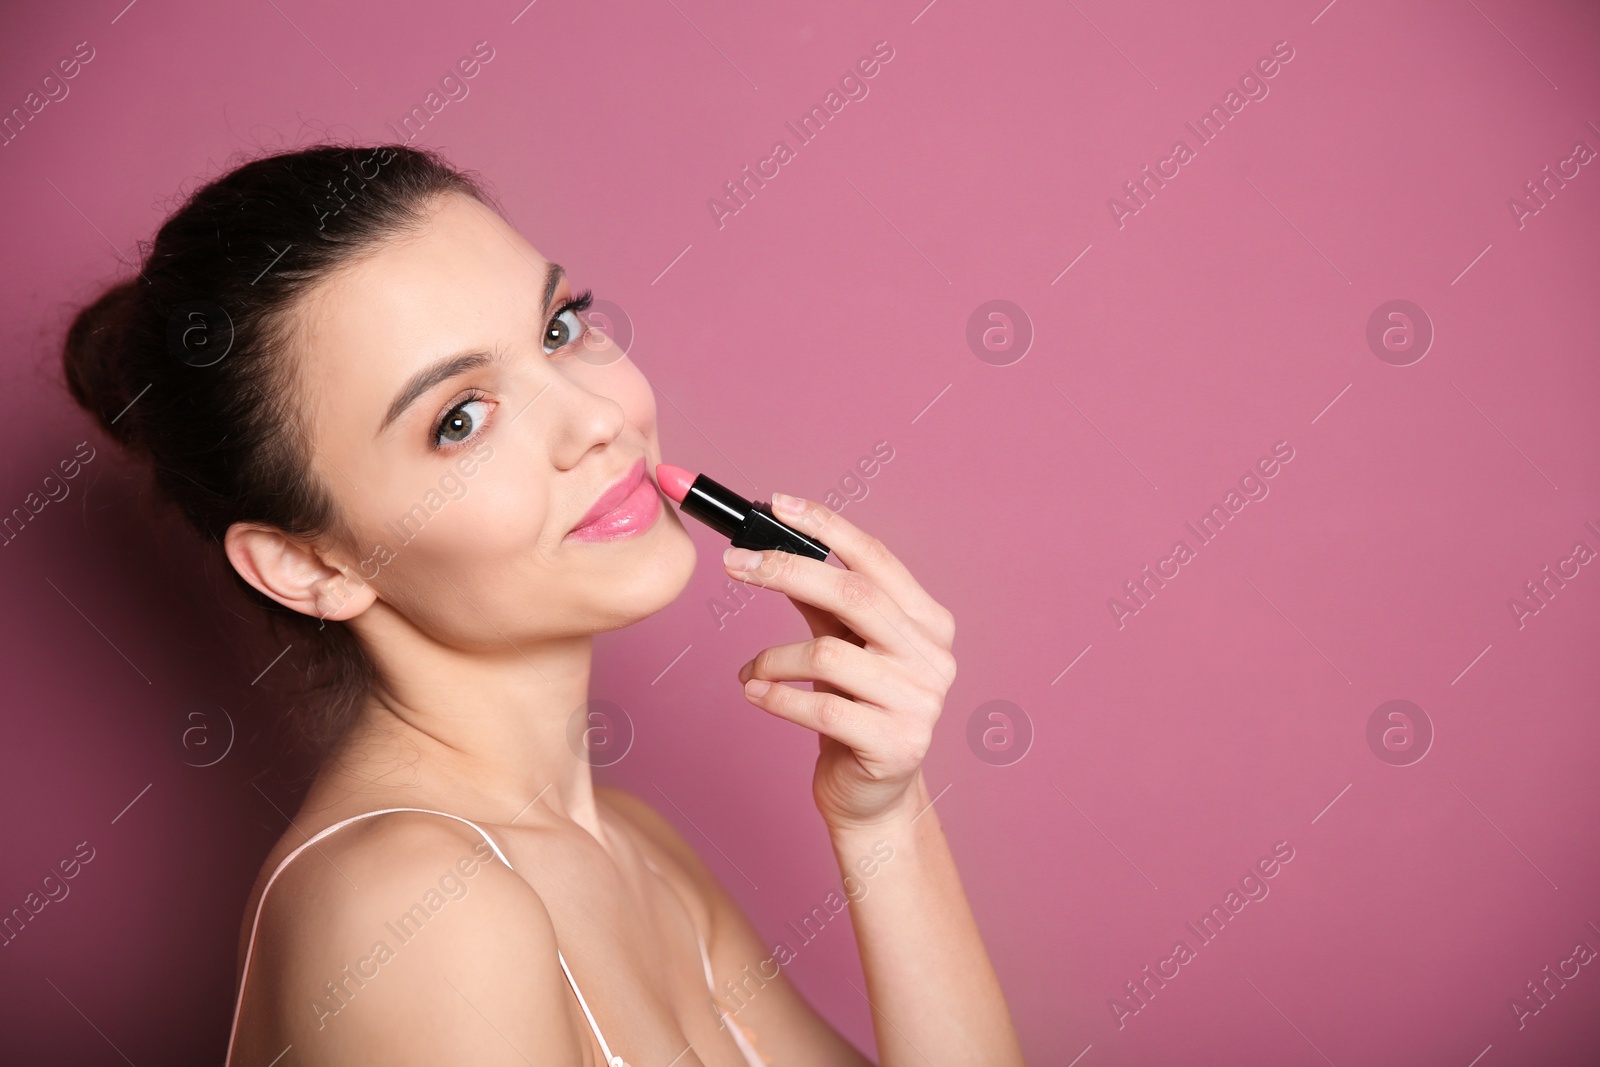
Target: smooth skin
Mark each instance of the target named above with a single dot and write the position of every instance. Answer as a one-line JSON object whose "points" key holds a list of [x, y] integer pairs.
{"points": [[481, 628]]}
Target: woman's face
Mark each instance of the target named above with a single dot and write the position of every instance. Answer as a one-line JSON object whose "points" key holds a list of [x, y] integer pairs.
{"points": [[461, 484]]}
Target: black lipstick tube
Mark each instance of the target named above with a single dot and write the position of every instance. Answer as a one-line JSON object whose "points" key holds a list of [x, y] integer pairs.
{"points": [[748, 524]]}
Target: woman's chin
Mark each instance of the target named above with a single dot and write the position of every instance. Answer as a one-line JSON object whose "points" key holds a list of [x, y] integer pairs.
{"points": [[658, 574]]}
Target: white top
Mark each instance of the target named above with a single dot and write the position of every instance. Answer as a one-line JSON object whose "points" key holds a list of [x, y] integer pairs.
{"points": [[614, 1060]]}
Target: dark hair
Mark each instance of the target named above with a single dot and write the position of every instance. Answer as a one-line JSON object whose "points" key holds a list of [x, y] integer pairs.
{"points": [[189, 364]]}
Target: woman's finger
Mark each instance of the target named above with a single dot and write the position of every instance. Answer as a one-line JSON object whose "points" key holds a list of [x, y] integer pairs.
{"points": [[858, 602], [825, 622], [864, 676], [862, 729], [865, 554]]}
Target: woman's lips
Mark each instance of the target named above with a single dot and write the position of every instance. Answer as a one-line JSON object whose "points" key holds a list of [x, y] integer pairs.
{"points": [[636, 511]]}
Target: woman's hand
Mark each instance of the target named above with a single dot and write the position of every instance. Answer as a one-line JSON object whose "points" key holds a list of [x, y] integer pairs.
{"points": [[879, 662]]}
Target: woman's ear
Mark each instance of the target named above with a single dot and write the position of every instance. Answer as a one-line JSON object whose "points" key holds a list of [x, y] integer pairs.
{"points": [[294, 574]]}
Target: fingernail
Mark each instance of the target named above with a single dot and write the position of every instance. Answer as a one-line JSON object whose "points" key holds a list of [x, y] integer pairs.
{"points": [[789, 505], [757, 687], [741, 559]]}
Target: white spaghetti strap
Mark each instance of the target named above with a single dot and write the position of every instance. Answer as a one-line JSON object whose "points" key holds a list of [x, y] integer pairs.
{"points": [[752, 1057], [705, 961], [611, 1060], [605, 1049]]}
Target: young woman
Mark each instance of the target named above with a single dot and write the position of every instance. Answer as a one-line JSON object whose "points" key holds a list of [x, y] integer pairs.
{"points": [[387, 407]]}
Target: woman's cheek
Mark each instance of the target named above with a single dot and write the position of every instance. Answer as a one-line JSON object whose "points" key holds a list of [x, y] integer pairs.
{"points": [[638, 401], [507, 508], [485, 498]]}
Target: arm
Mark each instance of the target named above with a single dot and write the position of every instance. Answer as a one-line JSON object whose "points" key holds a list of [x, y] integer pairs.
{"points": [[348, 973], [880, 665], [934, 994]]}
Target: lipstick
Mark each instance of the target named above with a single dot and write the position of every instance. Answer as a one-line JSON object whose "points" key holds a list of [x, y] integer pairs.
{"points": [[745, 523]]}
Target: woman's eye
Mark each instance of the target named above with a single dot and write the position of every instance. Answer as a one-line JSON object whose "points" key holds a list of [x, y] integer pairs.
{"points": [[461, 421], [563, 330]]}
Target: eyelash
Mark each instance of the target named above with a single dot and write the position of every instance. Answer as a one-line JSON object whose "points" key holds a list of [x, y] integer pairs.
{"points": [[581, 302]]}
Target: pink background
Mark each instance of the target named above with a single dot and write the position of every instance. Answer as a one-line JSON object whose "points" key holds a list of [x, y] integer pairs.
{"points": [[831, 313]]}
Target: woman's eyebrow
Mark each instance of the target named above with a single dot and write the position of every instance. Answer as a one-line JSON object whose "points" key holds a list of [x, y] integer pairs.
{"points": [[429, 377], [552, 278], [451, 366]]}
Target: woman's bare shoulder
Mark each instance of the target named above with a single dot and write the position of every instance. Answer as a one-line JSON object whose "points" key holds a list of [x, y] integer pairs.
{"points": [[720, 912], [652, 825], [395, 850], [709, 898], [404, 917], [735, 946]]}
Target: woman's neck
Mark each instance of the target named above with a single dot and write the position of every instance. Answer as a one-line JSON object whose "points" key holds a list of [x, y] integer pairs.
{"points": [[497, 733]]}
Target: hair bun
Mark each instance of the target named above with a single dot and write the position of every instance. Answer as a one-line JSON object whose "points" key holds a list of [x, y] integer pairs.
{"points": [[93, 359]]}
